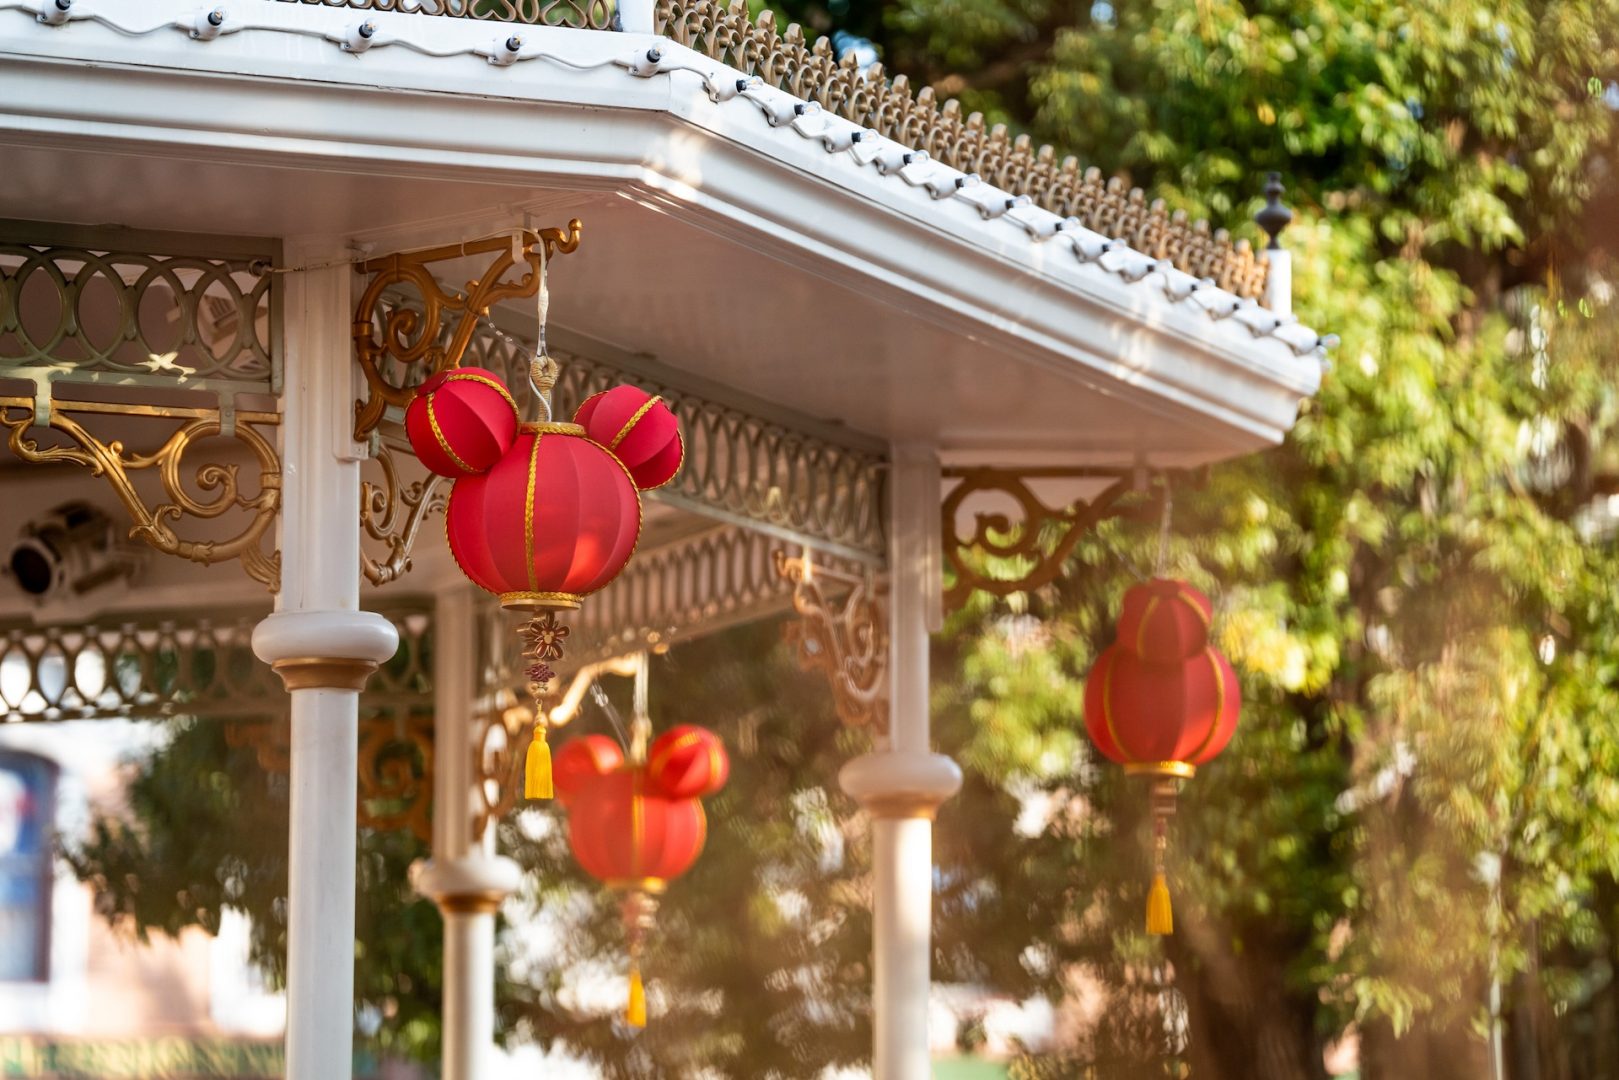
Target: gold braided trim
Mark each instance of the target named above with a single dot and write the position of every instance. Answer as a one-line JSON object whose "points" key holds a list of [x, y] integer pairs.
{"points": [[528, 516], [527, 600], [629, 425], [1107, 711], [1219, 705], [473, 376], [443, 443], [547, 427], [1179, 769]]}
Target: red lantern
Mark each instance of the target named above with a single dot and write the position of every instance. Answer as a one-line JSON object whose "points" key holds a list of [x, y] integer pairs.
{"points": [[1164, 621], [461, 421], [639, 428], [629, 829], [553, 521], [1161, 717], [687, 762], [1161, 701]]}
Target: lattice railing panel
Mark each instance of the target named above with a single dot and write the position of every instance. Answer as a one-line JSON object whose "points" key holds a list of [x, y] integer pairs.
{"points": [[90, 314], [583, 14]]}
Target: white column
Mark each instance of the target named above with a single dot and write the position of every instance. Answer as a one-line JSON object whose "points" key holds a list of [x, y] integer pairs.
{"points": [[636, 16], [1279, 281], [464, 878], [903, 783], [324, 648]]}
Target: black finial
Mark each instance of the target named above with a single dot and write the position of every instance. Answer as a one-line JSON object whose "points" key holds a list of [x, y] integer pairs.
{"points": [[1273, 216]]}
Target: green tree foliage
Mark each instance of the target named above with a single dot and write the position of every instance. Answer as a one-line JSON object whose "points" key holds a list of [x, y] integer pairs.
{"points": [[1423, 798], [205, 829], [1423, 801]]}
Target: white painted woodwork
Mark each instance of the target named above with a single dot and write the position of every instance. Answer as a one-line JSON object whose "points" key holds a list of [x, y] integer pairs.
{"points": [[316, 616]]}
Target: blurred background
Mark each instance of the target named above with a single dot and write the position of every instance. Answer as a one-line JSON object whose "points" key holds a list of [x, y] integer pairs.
{"points": [[1405, 866]]}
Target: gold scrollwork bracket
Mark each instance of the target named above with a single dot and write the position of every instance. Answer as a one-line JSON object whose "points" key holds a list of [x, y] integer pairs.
{"points": [[407, 337], [842, 632], [392, 513], [218, 490], [1004, 555]]}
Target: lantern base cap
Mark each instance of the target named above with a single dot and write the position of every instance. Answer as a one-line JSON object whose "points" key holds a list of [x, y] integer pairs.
{"points": [[540, 601], [1180, 770], [652, 885]]}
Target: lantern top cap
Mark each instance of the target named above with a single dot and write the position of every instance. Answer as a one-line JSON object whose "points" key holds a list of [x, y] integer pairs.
{"points": [[550, 427]]}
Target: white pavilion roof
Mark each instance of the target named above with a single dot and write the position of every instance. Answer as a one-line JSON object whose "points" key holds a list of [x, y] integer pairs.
{"points": [[733, 230]]}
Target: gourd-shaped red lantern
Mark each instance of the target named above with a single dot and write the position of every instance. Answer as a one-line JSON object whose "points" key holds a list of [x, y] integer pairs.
{"points": [[637, 826], [1161, 701], [541, 514]]}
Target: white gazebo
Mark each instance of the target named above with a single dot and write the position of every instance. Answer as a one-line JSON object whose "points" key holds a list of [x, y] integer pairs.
{"points": [[234, 237]]}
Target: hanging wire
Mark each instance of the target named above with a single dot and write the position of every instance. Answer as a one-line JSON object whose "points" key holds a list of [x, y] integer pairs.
{"points": [[542, 372], [599, 696], [1163, 531]]}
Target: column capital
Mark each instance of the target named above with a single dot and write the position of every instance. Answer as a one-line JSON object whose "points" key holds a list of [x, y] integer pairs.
{"points": [[900, 784], [469, 885], [325, 649]]}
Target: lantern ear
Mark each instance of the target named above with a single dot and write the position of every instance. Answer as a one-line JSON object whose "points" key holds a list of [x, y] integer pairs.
{"points": [[1165, 621], [640, 429], [687, 762], [461, 421], [582, 761]]}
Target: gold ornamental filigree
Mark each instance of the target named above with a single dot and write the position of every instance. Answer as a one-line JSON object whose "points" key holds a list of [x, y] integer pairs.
{"points": [[1029, 551], [392, 513], [812, 71], [408, 342], [219, 483], [395, 780], [499, 750], [842, 632]]}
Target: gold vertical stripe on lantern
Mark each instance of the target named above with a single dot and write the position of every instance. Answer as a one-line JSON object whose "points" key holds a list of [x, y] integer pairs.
{"points": [[1107, 716], [443, 443], [629, 425], [528, 515]]}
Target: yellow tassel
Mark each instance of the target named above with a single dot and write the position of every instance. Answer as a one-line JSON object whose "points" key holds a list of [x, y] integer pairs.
{"points": [[1160, 917], [537, 767], [635, 1012]]}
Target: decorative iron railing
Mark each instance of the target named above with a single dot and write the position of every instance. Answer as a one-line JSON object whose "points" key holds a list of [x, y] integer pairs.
{"points": [[582, 14], [156, 310]]}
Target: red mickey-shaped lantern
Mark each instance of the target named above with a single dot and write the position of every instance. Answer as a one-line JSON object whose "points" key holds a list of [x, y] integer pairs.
{"points": [[461, 421], [639, 428], [554, 520], [636, 827], [1161, 701]]}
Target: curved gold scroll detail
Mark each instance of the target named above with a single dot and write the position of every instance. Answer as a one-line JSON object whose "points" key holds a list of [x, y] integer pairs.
{"points": [[842, 632], [218, 482], [407, 341], [392, 513], [1031, 550]]}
